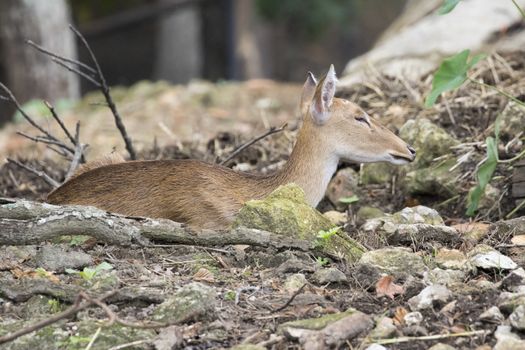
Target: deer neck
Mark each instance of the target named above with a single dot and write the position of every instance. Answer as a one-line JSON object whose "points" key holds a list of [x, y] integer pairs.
{"points": [[311, 165]]}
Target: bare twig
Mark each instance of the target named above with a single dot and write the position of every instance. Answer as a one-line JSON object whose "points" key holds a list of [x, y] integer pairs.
{"points": [[105, 91], [59, 121], [76, 307], [297, 292], [38, 173], [79, 152], [272, 130], [46, 140], [59, 57], [79, 72]]}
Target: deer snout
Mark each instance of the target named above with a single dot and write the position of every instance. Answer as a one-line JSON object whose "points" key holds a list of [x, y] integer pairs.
{"points": [[412, 152]]}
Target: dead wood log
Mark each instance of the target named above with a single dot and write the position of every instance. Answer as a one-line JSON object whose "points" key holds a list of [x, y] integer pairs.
{"points": [[24, 222]]}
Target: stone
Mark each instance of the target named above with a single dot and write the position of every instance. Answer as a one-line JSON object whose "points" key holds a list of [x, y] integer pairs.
{"points": [[395, 261], [434, 180], [38, 306], [486, 257], [508, 302], [286, 212], [517, 318], [377, 173], [55, 258], [490, 197], [429, 296], [492, 315], [336, 217], [248, 347], [329, 275], [413, 318], [365, 213], [507, 340], [514, 280], [375, 347], [345, 183], [430, 140], [452, 259], [295, 265], [444, 277], [384, 329], [193, 302], [294, 282], [511, 121], [12, 256], [418, 215]]}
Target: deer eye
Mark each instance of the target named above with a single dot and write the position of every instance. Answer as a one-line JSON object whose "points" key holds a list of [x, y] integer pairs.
{"points": [[362, 120]]}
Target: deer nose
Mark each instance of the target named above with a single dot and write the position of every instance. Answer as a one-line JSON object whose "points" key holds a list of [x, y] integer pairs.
{"points": [[412, 150]]}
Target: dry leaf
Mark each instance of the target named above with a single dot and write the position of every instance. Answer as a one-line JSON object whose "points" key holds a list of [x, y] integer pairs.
{"points": [[386, 286], [399, 315], [204, 275], [38, 273]]}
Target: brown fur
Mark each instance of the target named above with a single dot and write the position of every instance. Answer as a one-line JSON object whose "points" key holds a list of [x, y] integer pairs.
{"points": [[209, 196]]}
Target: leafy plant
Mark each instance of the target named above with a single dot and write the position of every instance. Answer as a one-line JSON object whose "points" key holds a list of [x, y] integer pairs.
{"points": [[326, 235], [322, 261], [89, 273], [349, 200], [447, 6], [229, 295], [54, 305], [451, 74]]}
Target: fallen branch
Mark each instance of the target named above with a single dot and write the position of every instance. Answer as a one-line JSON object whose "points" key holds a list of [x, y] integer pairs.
{"points": [[25, 222], [76, 307], [271, 131]]}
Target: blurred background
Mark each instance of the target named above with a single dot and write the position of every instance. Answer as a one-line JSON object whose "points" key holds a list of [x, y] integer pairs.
{"points": [[180, 40]]}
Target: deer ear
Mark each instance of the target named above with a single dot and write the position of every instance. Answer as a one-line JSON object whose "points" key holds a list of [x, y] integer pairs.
{"points": [[323, 97], [308, 93]]}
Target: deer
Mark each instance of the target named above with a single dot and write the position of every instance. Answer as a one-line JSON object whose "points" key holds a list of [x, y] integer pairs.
{"points": [[208, 196]]}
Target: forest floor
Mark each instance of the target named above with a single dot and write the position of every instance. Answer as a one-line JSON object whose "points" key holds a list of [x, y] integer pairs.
{"points": [[466, 291]]}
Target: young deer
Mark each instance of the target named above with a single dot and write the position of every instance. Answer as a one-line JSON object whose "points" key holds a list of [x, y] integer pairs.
{"points": [[209, 196]]}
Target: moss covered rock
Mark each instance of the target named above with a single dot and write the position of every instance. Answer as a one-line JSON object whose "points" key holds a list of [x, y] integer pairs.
{"points": [[429, 140], [377, 173], [433, 180], [286, 212]]}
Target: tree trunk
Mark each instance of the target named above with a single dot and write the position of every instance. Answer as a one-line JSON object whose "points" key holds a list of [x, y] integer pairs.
{"points": [[28, 73]]}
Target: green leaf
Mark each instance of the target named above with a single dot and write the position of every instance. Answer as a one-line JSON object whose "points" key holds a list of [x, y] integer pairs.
{"points": [[447, 6], [451, 74], [103, 266], [484, 175], [349, 200]]}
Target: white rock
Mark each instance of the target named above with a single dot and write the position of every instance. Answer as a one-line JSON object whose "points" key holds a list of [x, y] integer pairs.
{"points": [[492, 315], [517, 318], [507, 340], [486, 257], [413, 318], [426, 298]]}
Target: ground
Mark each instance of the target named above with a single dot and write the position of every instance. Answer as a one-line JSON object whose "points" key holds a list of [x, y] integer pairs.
{"points": [[222, 296]]}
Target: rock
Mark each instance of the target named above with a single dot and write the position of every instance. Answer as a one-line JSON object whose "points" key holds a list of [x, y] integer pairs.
{"points": [[394, 261], [472, 231], [490, 197], [492, 315], [413, 318], [441, 346], [294, 282], [54, 258], [517, 318], [429, 296], [511, 120], [508, 302], [377, 173], [486, 257], [376, 347], [514, 280], [38, 306], [428, 139], [418, 215], [384, 328], [444, 277], [248, 347], [421, 233], [345, 183], [452, 259], [12, 256], [507, 340], [295, 265], [329, 275], [327, 331], [193, 302], [337, 218], [286, 212], [435, 180], [365, 213]]}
